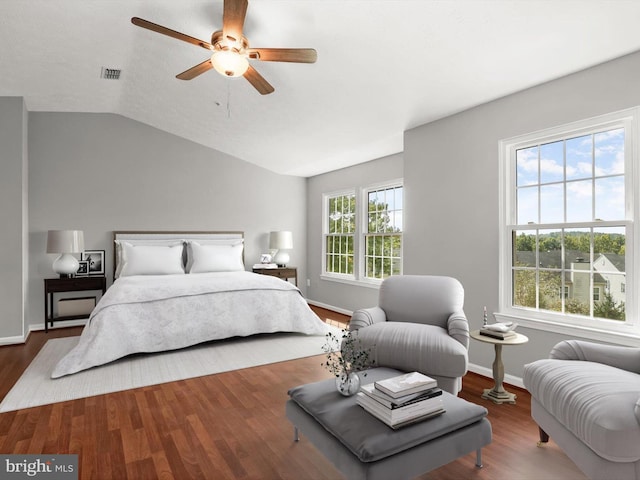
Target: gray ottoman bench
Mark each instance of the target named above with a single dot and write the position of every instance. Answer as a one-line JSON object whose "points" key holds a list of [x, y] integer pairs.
{"points": [[362, 447]]}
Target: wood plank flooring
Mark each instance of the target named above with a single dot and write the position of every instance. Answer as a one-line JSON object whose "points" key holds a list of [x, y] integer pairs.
{"points": [[232, 426]]}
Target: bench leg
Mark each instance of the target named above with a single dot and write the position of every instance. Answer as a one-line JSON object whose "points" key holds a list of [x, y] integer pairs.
{"points": [[296, 436], [479, 458]]}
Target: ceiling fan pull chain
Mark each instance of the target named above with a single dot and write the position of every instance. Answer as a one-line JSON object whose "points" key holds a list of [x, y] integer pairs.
{"points": [[228, 99]]}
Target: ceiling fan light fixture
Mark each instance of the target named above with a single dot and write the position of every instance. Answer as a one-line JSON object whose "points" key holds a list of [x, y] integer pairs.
{"points": [[229, 63]]}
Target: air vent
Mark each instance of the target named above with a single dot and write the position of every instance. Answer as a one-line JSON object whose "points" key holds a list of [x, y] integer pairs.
{"points": [[110, 73]]}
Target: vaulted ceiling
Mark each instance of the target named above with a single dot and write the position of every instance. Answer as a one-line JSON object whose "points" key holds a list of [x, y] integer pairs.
{"points": [[383, 66]]}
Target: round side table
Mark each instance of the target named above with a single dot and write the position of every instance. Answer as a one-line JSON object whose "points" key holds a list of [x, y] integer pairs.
{"points": [[498, 394]]}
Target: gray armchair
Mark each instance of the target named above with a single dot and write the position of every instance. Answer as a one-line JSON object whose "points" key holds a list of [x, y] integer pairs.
{"points": [[418, 325], [586, 396]]}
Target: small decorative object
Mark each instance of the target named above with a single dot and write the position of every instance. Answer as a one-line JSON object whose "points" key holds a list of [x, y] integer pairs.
{"points": [[65, 242], [484, 317], [83, 269], [346, 357], [95, 258], [265, 258]]}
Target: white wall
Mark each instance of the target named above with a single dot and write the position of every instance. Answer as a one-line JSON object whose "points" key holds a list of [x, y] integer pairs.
{"points": [[13, 217], [451, 186], [104, 172], [325, 292]]}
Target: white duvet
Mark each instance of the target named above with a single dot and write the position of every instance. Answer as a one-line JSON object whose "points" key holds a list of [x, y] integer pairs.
{"points": [[166, 312]]}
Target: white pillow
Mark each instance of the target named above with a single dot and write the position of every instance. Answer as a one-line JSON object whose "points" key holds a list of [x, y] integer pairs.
{"points": [[148, 242], [216, 241], [151, 259], [216, 258]]}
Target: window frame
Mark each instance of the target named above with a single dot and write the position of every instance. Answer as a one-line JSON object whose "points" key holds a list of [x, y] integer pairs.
{"points": [[627, 332], [361, 196], [325, 234]]}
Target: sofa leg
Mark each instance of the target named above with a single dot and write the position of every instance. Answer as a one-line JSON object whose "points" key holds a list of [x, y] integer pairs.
{"points": [[544, 437]]}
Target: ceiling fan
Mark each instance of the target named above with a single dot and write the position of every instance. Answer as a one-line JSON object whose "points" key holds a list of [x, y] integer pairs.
{"points": [[231, 52]]}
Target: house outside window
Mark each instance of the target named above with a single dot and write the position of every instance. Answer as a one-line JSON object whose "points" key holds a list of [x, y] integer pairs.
{"points": [[568, 211], [363, 234]]}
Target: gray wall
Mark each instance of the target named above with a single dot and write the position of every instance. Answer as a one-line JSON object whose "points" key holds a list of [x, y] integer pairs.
{"points": [[341, 296], [104, 172], [451, 194], [13, 216], [451, 186]]}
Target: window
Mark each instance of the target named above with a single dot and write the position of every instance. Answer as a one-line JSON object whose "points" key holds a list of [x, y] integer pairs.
{"points": [[568, 224], [383, 239], [363, 238], [340, 223]]}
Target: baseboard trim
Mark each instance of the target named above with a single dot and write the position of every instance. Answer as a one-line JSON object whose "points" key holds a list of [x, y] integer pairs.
{"points": [[13, 340], [488, 372], [330, 307], [62, 324]]}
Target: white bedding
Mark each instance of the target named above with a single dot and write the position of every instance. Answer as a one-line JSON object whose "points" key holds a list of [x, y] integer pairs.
{"points": [[166, 312]]}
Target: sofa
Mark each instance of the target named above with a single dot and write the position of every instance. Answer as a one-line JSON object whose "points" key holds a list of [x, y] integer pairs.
{"points": [[418, 325], [586, 397]]}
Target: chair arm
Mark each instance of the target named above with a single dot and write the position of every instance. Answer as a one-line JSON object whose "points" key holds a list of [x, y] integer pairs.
{"points": [[458, 327], [625, 358], [365, 317]]}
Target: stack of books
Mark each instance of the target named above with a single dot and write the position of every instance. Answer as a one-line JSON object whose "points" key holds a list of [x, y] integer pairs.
{"points": [[501, 331], [402, 400], [265, 265]]}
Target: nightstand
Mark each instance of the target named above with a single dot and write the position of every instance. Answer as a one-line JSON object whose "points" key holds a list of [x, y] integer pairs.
{"points": [[281, 272], [75, 284]]}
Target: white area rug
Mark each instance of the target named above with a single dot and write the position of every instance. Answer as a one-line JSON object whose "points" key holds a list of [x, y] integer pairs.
{"points": [[35, 387]]}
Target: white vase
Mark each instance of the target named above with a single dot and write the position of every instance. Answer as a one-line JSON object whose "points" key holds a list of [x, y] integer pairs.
{"points": [[348, 385]]}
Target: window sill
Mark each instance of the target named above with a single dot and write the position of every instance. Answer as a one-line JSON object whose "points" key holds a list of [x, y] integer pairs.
{"points": [[628, 335], [351, 281]]}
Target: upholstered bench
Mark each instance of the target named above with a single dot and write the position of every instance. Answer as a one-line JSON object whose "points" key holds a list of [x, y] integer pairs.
{"points": [[363, 447]]}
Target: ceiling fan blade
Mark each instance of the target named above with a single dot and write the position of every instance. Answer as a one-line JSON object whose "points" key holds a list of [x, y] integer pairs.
{"points": [[171, 33], [297, 55], [193, 72], [258, 81], [233, 19]]}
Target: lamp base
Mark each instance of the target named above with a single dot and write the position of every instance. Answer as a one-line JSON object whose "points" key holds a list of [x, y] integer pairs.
{"points": [[66, 265], [281, 258]]}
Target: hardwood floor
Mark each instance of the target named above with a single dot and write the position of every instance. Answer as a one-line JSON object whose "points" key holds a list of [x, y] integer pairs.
{"points": [[232, 426]]}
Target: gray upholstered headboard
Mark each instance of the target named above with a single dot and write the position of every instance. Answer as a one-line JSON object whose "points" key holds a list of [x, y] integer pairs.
{"points": [[170, 235]]}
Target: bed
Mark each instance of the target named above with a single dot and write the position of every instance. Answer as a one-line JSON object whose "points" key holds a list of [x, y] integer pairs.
{"points": [[177, 289]]}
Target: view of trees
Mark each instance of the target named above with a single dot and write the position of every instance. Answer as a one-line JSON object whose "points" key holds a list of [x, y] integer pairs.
{"points": [[550, 274], [383, 241]]}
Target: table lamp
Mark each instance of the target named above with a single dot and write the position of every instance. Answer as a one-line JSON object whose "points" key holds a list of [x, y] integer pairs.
{"points": [[281, 241], [65, 242]]}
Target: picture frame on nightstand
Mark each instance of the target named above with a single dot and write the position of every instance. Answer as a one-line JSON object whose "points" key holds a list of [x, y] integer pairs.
{"points": [[95, 259], [83, 269]]}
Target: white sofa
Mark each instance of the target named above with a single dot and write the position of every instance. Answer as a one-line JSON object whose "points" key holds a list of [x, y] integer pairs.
{"points": [[586, 397], [418, 325]]}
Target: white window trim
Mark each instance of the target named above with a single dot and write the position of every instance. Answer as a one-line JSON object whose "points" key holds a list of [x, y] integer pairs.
{"points": [[361, 193], [615, 332], [342, 277]]}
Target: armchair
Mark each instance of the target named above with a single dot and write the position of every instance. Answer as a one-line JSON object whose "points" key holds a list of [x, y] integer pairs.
{"points": [[418, 325], [586, 396]]}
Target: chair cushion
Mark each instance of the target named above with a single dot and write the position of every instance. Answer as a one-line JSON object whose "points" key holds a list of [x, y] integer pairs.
{"points": [[594, 401], [413, 346]]}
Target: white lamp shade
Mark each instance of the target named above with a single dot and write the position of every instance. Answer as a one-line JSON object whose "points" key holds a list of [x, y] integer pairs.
{"points": [[281, 240], [65, 241]]}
